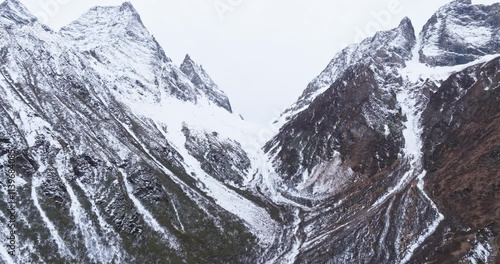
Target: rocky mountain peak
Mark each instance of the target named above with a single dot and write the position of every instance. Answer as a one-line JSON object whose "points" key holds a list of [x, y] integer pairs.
{"points": [[406, 24], [102, 24], [15, 11], [391, 47], [128, 8], [460, 32], [202, 81], [399, 40], [188, 61]]}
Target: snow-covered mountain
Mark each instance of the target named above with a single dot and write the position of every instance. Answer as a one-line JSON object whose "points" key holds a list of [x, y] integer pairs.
{"points": [[391, 155], [391, 47], [107, 163], [385, 117], [459, 33]]}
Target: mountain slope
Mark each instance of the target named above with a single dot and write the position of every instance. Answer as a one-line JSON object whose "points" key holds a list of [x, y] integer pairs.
{"points": [[391, 47], [121, 156], [353, 152], [462, 145], [98, 181]]}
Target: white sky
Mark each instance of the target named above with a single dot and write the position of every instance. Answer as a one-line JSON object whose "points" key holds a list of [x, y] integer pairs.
{"points": [[262, 53]]}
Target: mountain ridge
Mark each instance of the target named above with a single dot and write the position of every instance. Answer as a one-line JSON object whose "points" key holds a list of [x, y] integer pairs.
{"points": [[122, 156]]}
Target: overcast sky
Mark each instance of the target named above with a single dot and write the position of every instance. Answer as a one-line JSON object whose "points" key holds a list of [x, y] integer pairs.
{"points": [[262, 53]]}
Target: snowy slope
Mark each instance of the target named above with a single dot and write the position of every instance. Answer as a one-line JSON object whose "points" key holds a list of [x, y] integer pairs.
{"points": [[366, 141], [100, 130], [124, 157]]}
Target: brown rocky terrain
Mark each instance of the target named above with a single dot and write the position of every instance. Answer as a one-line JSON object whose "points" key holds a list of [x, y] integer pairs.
{"points": [[462, 148]]}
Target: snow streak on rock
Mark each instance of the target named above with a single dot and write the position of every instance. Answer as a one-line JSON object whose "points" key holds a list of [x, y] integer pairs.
{"points": [[97, 251], [148, 217], [63, 249], [407, 98]]}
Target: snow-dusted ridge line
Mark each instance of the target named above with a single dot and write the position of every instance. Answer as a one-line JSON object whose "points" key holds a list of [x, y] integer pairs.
{"points": [[383, 236], [113, 236], [147, 216]]}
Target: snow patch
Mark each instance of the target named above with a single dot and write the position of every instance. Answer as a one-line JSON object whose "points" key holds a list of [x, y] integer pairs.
{"points": [[480, 253]]}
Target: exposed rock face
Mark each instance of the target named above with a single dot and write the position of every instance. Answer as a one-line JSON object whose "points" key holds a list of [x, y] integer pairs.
{"points": [[462, 143], [218, 158], [13, 12], [391, 47], [199, 77], [460, 33], [121, 156], [114, 37], [98, 181], [370, 135], [357, 117]]}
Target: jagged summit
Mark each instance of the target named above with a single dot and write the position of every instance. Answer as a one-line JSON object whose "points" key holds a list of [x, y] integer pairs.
{"points": [[124, 13], [393, 47], [15, 11], [127, 6], [405, 22], [116, 37], [188, 60], [199, 77], [107, 24], [460, 32]]}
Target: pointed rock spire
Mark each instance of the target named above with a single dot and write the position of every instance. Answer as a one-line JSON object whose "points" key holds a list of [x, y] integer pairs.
{"points": [[202, 81], [187, 60], [405, 22], [129, 8], [407, 27]]}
